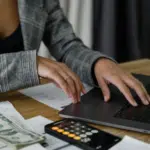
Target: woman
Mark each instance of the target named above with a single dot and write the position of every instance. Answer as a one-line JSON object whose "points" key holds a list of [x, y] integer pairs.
{"points": [[24, 24]]}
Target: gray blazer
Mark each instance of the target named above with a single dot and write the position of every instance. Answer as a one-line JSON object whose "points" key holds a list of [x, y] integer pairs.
{"points": [[44, 20]]}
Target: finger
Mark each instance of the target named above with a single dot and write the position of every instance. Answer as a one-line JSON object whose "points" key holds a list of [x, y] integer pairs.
{"points": [[124, 89], [73, 89], [138, 87], [71, 85], [105, 90], [77, 85], [58, 79], [77, 81]]}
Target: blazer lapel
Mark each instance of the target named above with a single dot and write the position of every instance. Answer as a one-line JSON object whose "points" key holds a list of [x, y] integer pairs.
{"points": [[32, 19]]}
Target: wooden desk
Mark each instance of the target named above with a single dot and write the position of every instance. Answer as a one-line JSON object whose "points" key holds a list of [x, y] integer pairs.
{"points": [[30, 108]]}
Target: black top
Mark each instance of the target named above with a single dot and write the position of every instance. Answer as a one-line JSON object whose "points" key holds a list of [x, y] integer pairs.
{"points": [[13, 43]]}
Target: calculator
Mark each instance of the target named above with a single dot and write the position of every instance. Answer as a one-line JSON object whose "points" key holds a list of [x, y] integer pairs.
{"points": [[82, 135]]}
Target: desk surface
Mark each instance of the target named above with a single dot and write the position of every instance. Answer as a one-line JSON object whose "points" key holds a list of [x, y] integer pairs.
{"points": [[31, 108]]}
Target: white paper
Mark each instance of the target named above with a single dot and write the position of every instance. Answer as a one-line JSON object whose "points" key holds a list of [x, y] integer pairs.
{"points": [[50, 95], [71, 147], [37, 123], [34, 147], [57, 144], [129, 143], [54, 143]]}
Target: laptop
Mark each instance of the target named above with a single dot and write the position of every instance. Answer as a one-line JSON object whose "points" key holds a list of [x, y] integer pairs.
{"points": [[116, 113]]}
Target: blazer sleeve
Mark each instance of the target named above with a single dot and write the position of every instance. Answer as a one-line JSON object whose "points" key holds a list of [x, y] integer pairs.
{"points": [[18, 70], [65, 46]]}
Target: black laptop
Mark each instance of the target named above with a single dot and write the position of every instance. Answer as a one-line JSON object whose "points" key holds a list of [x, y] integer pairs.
{"points": [[116, 113]]}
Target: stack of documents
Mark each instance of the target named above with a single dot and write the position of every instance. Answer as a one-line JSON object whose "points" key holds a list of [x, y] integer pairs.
{"points": [[14, 134]]}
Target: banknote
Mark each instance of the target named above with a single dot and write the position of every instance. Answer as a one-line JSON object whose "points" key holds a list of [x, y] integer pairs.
{"points": [[12, 134]]}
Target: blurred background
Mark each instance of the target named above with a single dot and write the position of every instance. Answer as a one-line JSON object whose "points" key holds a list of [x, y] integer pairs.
{"points": [[118, 28]]}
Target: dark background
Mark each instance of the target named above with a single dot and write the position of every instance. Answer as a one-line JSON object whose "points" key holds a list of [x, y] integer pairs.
{"points": [[122, 28]]}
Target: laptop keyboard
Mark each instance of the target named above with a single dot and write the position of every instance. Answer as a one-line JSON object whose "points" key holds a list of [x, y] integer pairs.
{"points": [[139, 114]]}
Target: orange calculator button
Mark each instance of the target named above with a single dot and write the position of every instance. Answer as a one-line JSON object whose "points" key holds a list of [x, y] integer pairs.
{"points": [[60, 130], [77, 138], [71, 135], [66, 133], [55, 128]]}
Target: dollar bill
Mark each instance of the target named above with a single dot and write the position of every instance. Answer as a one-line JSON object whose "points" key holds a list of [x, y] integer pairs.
{"points": [[11, 133]]}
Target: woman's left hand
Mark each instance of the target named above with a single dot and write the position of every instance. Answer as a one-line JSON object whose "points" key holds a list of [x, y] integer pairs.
{"points": [[107, 71]]}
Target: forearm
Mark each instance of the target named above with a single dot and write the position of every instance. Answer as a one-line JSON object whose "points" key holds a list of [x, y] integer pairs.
{"points": [[82, 60], [18, 70], [65, 46]]}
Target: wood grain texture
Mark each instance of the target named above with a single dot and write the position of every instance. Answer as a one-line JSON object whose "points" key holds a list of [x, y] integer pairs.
{"points": [[29, 107]]}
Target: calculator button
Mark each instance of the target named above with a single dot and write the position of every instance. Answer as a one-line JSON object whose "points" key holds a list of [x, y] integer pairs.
{"points": [[82, 131], [89, 133], [89, 129], [66, 133], [61, 126], [83, 135], [55, 128], [77, 129], [72, 122], [116, 140], [66, 128], [72, 131], [85, 140], [72, 126], [77, 138], [77, 124], [60, 130], [94, 131], [99, 147], [83, 126], [77, 133], [71, 135]]}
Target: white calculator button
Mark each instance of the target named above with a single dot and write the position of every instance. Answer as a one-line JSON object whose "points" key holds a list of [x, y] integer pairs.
{"points": [[89, 133], [83, 135], [86, 140], [94, 131]]}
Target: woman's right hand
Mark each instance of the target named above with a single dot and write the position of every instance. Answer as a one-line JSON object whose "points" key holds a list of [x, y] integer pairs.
{"points": [[62, 76]]}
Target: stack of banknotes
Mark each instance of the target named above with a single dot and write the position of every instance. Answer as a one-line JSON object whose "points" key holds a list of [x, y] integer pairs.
{"points": [[14, 136]]}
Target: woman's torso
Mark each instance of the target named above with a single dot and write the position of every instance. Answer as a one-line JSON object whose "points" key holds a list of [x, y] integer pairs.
{"points": [[10, 31]]}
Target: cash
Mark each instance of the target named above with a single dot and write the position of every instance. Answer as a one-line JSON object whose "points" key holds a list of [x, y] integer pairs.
{"points": [[15, 136]]}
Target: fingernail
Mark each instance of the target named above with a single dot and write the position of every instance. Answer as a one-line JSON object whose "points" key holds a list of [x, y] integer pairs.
{"points": [[105, 98], [146, 102], [79, 99], [135, 104]]}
